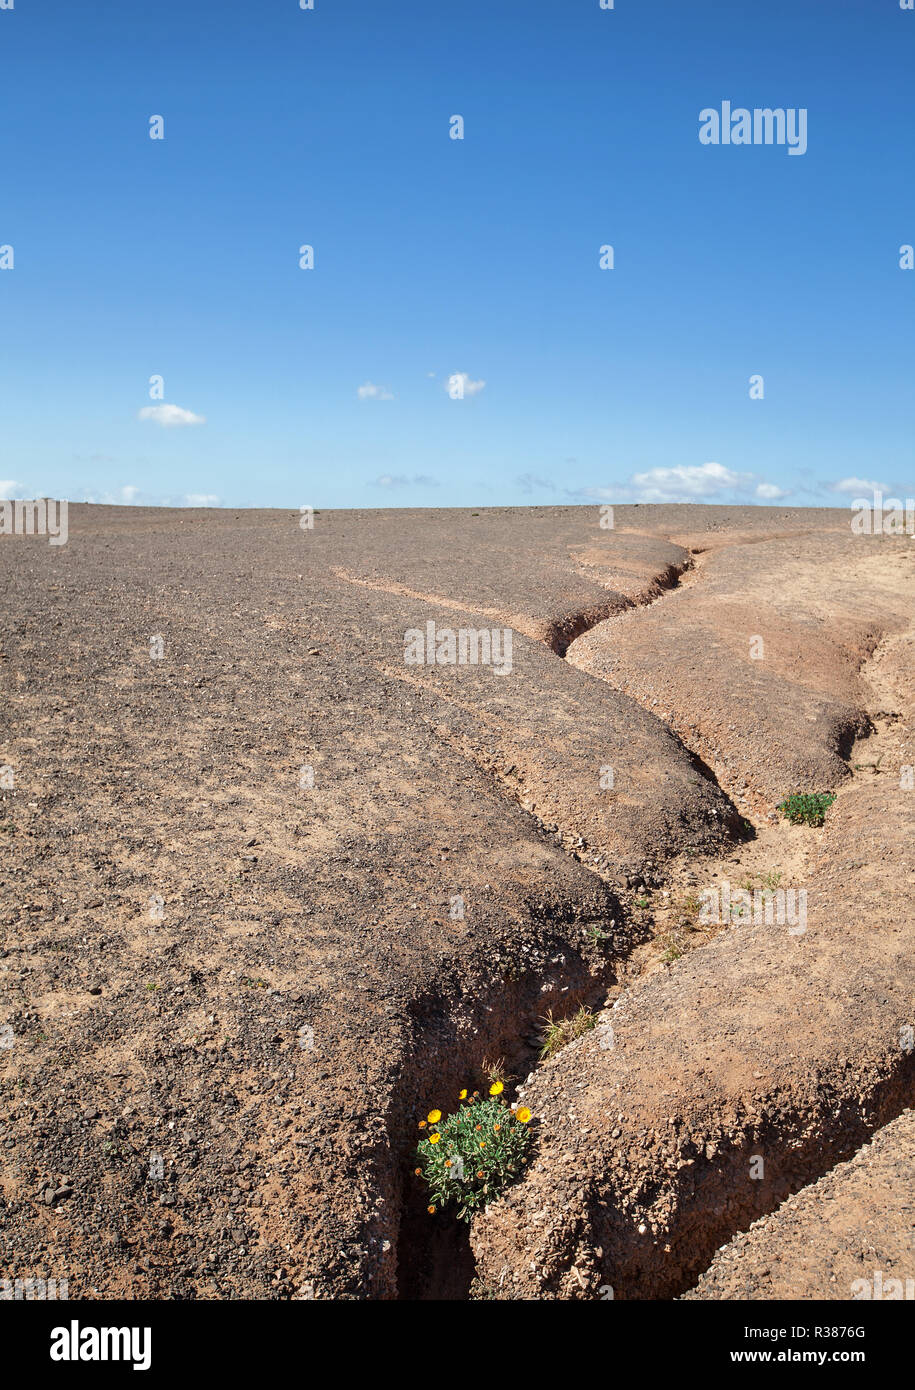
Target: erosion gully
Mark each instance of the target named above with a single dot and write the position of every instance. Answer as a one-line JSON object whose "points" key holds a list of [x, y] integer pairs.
{"points": [[434, 1257]]}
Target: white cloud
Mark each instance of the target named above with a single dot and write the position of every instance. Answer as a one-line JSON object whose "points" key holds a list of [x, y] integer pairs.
{"points": [[371, 392], [9, 490], [401, 480], [126, 496], [858, 486], [768, 492], [170, 415], [682, 483], [686, 482], [468, 387], [131, 496]]}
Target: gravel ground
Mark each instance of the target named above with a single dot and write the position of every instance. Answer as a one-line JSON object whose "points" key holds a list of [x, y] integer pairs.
{"points": [[234, 967]]}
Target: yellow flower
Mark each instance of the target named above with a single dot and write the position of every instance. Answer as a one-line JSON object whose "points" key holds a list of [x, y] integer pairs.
{"points": [[431, 1210], [523, 1114], [434, 1138], [496, 1088], [434, 1116], [463, 1095], [422, 1124]]}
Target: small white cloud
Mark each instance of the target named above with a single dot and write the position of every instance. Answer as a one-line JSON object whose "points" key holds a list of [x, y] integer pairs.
{"points": [[135, 496], [9, 489], [401, 480], [126, 496], [859, 486], [468, 387], [686, 481], [371, 392], [170, 415], [768, 492]]}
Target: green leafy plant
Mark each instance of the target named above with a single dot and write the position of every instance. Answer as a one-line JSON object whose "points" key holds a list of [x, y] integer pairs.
{"points": [[470, 1158], [566, 1030], [807, 808]]}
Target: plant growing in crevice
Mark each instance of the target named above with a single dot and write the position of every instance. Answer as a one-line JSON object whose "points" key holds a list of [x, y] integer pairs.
{"points": [[807, 808], [556, 1033], [686, 910], [470, 1158], [673, 949]]}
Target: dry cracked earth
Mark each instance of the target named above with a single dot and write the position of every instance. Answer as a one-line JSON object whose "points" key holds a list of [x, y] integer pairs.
{"points": [[234, 823]]}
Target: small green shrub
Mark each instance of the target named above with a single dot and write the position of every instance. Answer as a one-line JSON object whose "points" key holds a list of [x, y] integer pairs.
{"points": [[470, 1158], [807, 808]]}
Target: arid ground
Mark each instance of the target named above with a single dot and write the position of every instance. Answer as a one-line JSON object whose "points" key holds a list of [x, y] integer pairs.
{"points": [[234, 826]]}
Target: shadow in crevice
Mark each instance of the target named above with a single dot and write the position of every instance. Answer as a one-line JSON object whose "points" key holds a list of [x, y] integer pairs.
{"points": [[453, 1040], [440, 1264]]}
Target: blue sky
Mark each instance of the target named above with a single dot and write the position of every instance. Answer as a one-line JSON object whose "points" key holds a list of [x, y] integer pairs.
{"points": [[433, 256]]}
